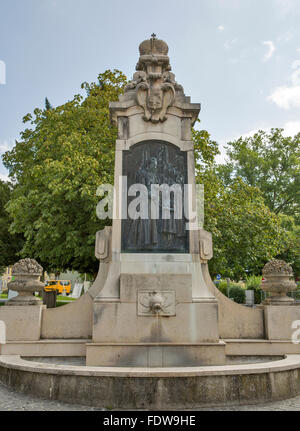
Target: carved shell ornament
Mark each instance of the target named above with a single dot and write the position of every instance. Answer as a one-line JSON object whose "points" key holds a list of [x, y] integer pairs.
{"points": [[154, 85]]}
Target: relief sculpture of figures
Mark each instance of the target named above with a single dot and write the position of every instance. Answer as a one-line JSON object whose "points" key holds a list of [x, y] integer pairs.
{"points": [[156, 163], [143, 233]]}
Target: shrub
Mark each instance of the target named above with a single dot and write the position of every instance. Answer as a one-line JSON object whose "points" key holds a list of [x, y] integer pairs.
{"points": [[237, 293], [222, 286]]}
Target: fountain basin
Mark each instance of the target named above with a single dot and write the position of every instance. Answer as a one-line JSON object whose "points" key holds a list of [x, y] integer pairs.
{"points": [[155, 388]]}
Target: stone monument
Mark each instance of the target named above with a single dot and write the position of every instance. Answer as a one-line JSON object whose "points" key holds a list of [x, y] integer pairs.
{"points": [[155, 308], [153, 322]]}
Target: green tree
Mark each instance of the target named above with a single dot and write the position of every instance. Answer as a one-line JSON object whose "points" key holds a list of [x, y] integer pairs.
{"points": [[271, 162], [10, 244], [58, 164], [47, 104], [246, 233]]}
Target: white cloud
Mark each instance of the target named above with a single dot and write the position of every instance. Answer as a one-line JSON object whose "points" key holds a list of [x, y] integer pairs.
{"points": [[295, 77], [229, 43], [271, 49], [4, 178], [221, 27], [285, 6], [6, 145], [287, 97], [286, 37], [291, 128]]}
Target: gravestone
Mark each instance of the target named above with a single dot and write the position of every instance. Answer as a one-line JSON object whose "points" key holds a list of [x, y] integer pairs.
{"points": [[11, 294], [154, 308], [77, 290], [249, 298], [86, 286]]}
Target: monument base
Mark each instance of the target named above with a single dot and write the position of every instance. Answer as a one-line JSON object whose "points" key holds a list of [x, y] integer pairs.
{"points": [[22, 323], [279, 321], [155, 355], [24, 301]]}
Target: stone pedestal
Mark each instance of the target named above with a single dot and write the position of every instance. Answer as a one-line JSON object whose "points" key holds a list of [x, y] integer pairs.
{"points": [[281, 322], [22, 323], [127, 331]]}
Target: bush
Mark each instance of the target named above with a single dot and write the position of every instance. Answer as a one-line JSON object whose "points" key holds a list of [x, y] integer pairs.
{"points": [[237, 293], [222, 286]]}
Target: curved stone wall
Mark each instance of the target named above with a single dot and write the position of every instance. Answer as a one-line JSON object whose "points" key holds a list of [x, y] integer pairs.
{"points": [[155, 389], [236, 321]]}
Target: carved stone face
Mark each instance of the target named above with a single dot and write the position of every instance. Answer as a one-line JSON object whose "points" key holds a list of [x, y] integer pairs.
{"points": [[155, 99]]}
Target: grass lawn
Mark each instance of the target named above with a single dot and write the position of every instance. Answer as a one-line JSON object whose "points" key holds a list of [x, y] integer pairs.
{"points": [[60, 300]]}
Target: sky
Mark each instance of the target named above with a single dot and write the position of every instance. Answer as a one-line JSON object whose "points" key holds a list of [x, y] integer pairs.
{"points": [[239, 58]]}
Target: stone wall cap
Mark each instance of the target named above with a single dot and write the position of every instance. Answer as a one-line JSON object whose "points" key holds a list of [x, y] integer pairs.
{"points": [[290, 362]]}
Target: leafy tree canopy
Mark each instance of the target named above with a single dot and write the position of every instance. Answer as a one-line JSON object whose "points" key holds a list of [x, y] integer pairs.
{"points": [[271, 162], [10, 244], [246, 234], [68, 151], [58, 164]]}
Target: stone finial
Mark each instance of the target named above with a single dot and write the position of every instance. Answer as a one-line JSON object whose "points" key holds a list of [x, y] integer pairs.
{"points": [[153, 46], [27, 266], [278, 267], [278, 280], [26, 273]]}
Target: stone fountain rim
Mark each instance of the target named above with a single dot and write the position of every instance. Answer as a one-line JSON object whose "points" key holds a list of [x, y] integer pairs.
{"points": [[16, 362]]}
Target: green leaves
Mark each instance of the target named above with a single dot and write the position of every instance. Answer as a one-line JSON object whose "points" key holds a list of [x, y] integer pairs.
{"points": [[58, 165], [246, 233], [272, 163], [10, 244]]}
